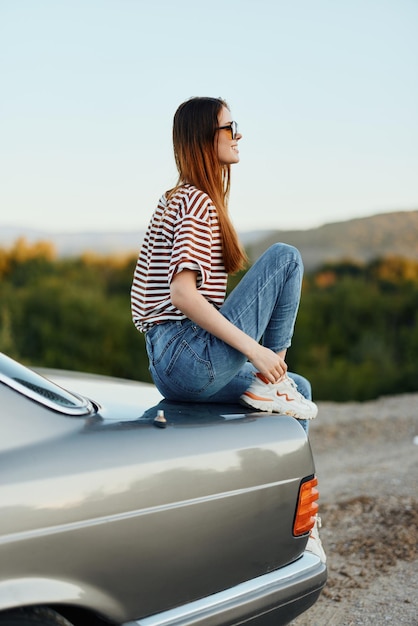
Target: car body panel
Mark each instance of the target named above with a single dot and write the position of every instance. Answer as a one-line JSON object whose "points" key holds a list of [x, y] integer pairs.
{"points": [[108, 512], [274, 598]]}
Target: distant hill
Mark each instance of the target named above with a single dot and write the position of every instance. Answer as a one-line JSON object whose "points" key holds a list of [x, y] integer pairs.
{"points": [[361, 239], [73, 244]]}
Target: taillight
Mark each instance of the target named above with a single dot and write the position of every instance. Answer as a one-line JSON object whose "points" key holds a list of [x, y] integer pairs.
{"points": [[307, 507]]}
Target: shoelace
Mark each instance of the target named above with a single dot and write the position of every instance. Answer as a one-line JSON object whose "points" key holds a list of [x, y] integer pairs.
{"points": [[289, 381]]}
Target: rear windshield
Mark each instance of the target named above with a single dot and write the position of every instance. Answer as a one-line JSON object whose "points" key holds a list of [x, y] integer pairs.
{"points": [[40, 389]]}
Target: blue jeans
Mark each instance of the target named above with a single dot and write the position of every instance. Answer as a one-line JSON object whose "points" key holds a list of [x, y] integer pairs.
{"points": [[187, 363]]}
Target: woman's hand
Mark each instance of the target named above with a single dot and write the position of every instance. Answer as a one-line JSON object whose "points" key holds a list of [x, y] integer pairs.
{"points": [[270, 364]]}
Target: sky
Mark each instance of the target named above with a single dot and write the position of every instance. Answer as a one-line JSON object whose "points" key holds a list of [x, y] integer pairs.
{"points": [[325, 93]]}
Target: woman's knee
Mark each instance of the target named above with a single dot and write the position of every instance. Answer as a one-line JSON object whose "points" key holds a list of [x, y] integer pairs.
{"points": [[284, 251]]}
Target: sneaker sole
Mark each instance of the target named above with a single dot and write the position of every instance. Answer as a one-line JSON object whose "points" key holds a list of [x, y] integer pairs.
{"points": [[270, 407]]}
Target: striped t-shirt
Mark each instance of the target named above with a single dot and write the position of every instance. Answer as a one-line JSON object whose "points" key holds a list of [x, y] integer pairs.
{"points": [[182, 234]]}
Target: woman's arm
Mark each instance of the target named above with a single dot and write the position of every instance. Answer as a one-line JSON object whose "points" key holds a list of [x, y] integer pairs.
{"points": [[185, 297]]}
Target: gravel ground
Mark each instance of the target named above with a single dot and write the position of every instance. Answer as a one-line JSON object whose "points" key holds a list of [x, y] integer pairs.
{"points": [[366, 456]]}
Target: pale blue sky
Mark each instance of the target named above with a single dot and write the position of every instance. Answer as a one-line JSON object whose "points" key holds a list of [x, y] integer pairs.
{"points": [[325, 93]]}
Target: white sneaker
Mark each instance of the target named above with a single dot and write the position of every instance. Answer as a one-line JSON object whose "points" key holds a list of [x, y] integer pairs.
{"points": [[314, 544], [282, 397]]}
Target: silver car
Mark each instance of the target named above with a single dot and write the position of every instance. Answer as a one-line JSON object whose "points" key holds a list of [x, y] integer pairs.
{"points": [[119, 507]]}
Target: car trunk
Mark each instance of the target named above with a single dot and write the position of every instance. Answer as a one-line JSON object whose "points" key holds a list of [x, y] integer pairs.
{"points": [[213, 495]]}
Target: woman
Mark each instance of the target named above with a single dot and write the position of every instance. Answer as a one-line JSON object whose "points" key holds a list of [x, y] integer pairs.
{"points": [[201, 346]]}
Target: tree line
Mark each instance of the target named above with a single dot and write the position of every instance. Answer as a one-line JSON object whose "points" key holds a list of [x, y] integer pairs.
{"points": [[356, 335]]}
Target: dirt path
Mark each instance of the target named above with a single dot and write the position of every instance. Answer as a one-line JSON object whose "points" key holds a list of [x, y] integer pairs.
{"points": [[366, 457]]}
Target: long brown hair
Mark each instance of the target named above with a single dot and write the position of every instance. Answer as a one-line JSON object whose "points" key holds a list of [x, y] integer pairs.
{"points": [[194, 128]]}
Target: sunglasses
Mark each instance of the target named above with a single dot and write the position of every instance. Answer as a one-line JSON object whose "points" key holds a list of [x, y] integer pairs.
{"points": [[232, 127]]}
